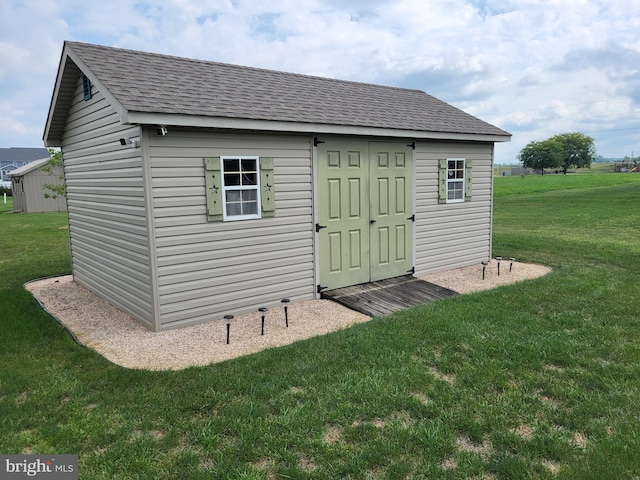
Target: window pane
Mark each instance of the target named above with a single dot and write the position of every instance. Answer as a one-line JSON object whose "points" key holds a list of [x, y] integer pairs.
{"points": [[232, 179], [451, 164], [249, 165], [231, 165], [460, 164], [233, 195], [459, 173], [249, 195], [249, 179], [233, 209], [250, 208]]}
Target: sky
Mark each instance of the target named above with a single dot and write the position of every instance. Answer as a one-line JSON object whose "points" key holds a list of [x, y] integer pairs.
{"points": [[535, 68]]}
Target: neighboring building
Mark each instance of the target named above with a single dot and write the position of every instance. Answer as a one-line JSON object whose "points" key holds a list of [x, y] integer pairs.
{"points": [[15, 157], [28, 184], [197, 189]]}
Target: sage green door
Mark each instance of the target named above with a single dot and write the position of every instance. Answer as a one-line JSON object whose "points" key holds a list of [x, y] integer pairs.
{"points": [[365, 203], [391, 209]]}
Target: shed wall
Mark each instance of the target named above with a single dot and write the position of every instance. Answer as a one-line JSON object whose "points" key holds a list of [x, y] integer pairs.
{"points": [[209, 269], [456, 234], [29, 190], [106, 205]]}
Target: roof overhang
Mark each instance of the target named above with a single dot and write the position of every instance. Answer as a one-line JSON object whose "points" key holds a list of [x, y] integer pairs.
{"points": [[144, 118]]}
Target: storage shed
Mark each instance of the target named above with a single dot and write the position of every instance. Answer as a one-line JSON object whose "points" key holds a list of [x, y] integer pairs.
{"points": [[29, 188], [197, 189]]}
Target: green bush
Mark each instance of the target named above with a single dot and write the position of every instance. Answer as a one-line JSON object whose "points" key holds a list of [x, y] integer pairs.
{"points": [[6, 190]]}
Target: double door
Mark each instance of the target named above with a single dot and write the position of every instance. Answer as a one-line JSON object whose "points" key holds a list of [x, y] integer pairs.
{"points": [[365, 214]]}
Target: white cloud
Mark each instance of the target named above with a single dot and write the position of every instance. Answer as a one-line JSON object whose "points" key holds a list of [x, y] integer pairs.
{"points": [[533, 67]]}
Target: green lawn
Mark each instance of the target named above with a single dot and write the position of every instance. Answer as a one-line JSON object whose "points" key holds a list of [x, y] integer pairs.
{"points": [[534, 380]]}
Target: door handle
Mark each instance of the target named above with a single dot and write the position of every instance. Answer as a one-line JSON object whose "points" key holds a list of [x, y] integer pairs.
{"points": [[372, 221]]}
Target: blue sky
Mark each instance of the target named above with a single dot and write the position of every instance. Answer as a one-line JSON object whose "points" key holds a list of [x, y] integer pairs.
{"points": [[532, 67]]}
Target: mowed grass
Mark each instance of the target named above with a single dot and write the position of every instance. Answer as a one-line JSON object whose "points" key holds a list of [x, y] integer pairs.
{"points": [[539, 379]]}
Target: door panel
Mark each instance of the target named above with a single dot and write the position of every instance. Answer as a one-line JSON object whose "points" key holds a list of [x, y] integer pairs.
{"points": [[365, 201], [344, 212], [392, 176]]}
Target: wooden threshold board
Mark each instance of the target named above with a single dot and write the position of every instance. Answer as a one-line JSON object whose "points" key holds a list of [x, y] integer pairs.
{"points": [[383, 297]]}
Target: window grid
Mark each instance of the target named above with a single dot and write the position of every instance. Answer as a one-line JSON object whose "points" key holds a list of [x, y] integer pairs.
{"points": [[241, 190], [455, 180]]}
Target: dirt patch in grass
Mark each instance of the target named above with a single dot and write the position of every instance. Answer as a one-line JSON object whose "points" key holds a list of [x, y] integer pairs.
{"points": [[553, 467], [445, 377], [484, 449], [524, 431], [332, 436]]}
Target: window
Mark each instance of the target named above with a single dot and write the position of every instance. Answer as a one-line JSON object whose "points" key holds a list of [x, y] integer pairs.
{"points": [[455, 180], [239, 188], [240, 191], [86, 87], [454, 176]]}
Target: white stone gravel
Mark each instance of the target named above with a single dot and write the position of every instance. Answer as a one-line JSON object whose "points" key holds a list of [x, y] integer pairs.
{"points": [[97, 324]]}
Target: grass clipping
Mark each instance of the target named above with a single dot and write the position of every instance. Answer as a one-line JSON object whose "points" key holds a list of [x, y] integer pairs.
{"points": [[102, 327]]}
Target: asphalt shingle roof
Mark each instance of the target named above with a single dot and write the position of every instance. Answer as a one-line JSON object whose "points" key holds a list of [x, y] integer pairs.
{"points": [[22, 154], [161, 84]]}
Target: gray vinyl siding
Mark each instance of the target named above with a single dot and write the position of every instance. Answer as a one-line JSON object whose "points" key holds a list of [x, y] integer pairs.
{"points": [[456, 234], [209, 269], [106, 205], [29, 190]]}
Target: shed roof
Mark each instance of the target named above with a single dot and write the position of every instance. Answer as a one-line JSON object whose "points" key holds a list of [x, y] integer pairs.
{"points": [[22, 154], [29, 167], [152, 88]]}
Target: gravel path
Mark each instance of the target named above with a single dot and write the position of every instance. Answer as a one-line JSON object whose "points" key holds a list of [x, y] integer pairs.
{"points": [[100, 326]]}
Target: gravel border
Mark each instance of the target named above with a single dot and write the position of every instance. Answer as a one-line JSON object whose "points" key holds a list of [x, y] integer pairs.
{"points": [[95, 323]]}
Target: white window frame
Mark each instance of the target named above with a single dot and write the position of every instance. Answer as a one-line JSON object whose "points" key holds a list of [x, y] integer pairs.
{"points": [[462, 181], [226, 188]]}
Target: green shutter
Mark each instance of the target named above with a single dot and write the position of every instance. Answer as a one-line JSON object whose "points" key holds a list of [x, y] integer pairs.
{"points": [[213, 185], [468, 180], [267, 195], [442, 181]]}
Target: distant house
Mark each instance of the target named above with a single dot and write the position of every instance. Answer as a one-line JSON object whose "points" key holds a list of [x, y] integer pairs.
{"points": [[28, 184], [15, 157], [197, 189]]}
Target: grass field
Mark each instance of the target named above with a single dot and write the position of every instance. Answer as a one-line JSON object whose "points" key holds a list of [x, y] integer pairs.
{"points": [[539, 379]]}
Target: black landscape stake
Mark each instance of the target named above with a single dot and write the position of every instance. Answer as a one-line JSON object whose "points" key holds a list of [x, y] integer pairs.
{"points": [[228, 318], [511, 260], [286, 313], [264, 311], [484, 267], [499, 259]]}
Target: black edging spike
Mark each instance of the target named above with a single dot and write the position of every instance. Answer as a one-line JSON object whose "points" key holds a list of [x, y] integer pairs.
{"points": [[264, 311], [284, 301], [228, 318]]}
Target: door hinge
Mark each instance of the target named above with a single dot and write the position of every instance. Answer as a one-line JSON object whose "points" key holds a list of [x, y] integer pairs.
{"points": [[321, 288], [319, 227], [412, 271], [412, 218], [412, 145], [316, 141]]}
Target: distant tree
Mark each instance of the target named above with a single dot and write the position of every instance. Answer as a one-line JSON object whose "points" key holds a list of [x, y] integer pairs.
{"points": [[541, 155], [565, 150], [578, 150], [55, 160]]}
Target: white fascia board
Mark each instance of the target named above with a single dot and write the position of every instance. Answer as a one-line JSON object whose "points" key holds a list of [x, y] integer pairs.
{"points": [[143, 118]]}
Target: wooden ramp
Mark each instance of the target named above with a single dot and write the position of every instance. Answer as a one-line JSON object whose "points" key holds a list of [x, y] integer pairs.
{"points": [[387, 296]]}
